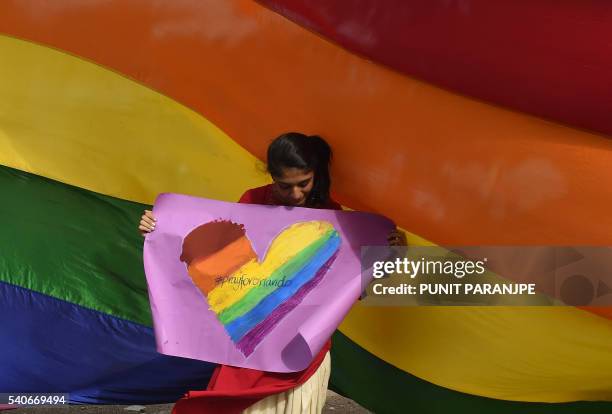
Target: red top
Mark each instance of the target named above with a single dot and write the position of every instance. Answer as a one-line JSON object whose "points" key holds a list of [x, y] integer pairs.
{"points": [[265, 195], [232, 389]]}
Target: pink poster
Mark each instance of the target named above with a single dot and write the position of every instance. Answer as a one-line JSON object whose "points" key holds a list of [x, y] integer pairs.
{"points": [[253, 286]]}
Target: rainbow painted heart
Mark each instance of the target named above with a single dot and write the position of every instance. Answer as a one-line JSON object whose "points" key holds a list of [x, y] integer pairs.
{"points": [[251, 297]]}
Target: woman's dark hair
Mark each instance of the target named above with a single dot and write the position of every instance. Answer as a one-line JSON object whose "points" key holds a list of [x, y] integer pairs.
{"points": [[311, 153]]}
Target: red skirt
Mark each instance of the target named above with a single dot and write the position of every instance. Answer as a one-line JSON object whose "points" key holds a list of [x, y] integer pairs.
{"points": [[231, 390]]}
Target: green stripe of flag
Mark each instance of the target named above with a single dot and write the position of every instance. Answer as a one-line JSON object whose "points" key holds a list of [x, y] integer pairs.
{"points": [[383, 388], [72, 244]]}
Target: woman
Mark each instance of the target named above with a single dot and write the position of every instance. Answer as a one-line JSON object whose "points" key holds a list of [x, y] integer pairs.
{"points": [[299, 166]]}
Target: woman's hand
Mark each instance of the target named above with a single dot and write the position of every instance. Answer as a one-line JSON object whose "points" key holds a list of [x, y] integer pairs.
{"points": [[397, 238], [147, 223]]}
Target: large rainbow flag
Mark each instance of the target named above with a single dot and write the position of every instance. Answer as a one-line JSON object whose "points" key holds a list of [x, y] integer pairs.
{"points": [[467, 122]]}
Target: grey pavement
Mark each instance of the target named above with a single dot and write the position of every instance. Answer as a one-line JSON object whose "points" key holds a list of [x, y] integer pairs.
{"points": [[336, 404]]}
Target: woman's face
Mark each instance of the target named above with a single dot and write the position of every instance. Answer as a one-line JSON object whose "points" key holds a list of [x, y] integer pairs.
{"points": [[293, 187]]}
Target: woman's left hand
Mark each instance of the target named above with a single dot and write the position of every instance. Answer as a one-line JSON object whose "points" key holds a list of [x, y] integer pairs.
{"points": [[397, 238]]}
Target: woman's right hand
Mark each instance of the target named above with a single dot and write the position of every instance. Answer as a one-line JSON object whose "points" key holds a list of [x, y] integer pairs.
{"points": [[147, 223]]}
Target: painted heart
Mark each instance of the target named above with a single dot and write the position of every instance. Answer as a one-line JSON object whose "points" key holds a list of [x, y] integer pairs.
{"points": [[250, 297]]}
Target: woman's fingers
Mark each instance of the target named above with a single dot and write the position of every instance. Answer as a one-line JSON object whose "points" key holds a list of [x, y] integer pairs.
{"points": [[393, 235], [397, 238], [147, 225], [147, 222], [148, 217]]}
